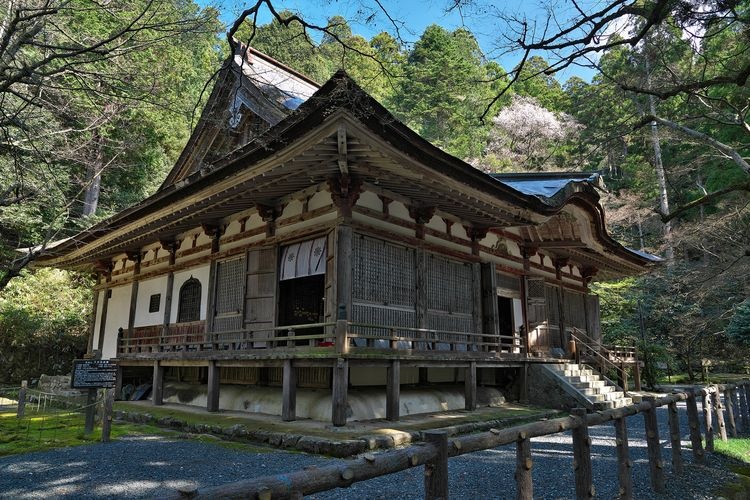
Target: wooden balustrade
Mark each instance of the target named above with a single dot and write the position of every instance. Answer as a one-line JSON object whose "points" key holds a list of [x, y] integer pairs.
{"points": [[192, 337]]}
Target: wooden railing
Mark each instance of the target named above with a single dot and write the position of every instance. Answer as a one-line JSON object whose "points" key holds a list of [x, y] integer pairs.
{"points": [[607, 358], [434, 453], [341, 336]]}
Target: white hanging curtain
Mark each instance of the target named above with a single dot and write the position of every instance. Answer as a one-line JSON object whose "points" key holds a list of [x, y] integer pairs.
{"points": [[307, 258]]}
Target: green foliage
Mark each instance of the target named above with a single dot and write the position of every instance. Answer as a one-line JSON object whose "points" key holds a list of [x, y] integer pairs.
{"points": [[43, 320], [444, 91], [738, 328]]}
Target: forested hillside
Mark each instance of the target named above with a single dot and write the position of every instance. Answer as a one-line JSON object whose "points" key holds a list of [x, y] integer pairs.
{"points": [[663, 120]]}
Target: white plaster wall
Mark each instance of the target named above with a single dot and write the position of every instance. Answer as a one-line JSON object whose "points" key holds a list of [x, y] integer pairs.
{"points": [[459, 231], [398, 209], [118, 311], [294, 207], [146, 289], [370, 200], [438, 224], [200, 273], [319, 199]]}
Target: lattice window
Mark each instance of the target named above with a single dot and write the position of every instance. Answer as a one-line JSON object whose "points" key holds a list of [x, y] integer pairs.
{"points": [[230, 277], [450, 286], [189, 307], [535, 290], [383, 273]]}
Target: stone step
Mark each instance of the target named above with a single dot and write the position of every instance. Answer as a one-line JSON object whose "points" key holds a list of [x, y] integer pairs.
{"points": [[617, 403]]}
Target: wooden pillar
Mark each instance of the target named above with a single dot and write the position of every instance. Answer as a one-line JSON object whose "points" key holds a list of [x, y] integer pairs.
{"points": [[103, 320], [157, 390], [524, 483], [106, 291], [88, 425], [393, 391], [582, 457], [656, 464], [719, 413], [624, 464], [476, 310], [470, 386], [214, 232], [694, 425], [707, 418], [674, 436], [135, 257], [729, 402], [214, 377], [490, 313], [344, 269], [289, 392], [424, 378], [742, 394], [436, 470], [339, 396], [747, 403], [637, 373], [92, 324], [171, 247]]}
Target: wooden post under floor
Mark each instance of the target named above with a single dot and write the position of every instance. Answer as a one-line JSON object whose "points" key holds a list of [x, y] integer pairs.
{"points": [[157, 390], [212, 399], [393, 391], [340, 382], [470, 386], [289, 392]]}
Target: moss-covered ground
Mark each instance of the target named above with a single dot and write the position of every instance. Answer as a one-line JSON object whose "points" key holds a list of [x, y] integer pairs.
{"points": [[738, 452]]}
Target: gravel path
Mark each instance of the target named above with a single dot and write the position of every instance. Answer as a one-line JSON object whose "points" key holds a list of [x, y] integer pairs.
{"points": [[142, 467]]}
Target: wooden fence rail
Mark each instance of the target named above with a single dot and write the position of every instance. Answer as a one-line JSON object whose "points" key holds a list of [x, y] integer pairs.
{"points": [[437, 448]]}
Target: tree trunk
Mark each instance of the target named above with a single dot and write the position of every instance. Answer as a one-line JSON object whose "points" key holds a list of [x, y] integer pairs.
{"points": [[660, 175], [93, 179]]}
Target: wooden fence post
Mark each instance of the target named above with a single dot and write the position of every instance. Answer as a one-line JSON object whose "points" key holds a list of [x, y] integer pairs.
{"points": [[742, 393], [582, 456], [694, 424], [436, 471], [624, 465], [656, 465], [729, 402], [109, 399], [674, 436], [21, 411], [88, 427], [707, 420], [719, 410], [524, 483]]}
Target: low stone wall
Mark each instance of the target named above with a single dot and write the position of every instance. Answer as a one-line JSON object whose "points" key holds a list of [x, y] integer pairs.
{"points": [[545, 391], [58, 385], [311, 444]]}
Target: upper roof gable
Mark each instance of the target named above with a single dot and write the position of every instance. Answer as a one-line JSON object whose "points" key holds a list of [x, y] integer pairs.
{"points": [[252, 93]]}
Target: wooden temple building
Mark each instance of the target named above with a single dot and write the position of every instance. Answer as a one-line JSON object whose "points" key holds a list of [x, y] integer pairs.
{"points": [[306, 241]]}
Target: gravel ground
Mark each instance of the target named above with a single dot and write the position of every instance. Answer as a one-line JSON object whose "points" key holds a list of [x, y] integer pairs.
{"points": [[142, 467]]}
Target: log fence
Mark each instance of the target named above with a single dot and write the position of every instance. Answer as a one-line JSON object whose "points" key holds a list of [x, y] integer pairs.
{"points": [[437, 448]]}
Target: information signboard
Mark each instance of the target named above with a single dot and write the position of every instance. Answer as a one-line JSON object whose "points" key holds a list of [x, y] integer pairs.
{"points": [[92, 373]]}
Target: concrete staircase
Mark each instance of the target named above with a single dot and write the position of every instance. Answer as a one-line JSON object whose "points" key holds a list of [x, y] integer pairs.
{"points": [[593, 390]]}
